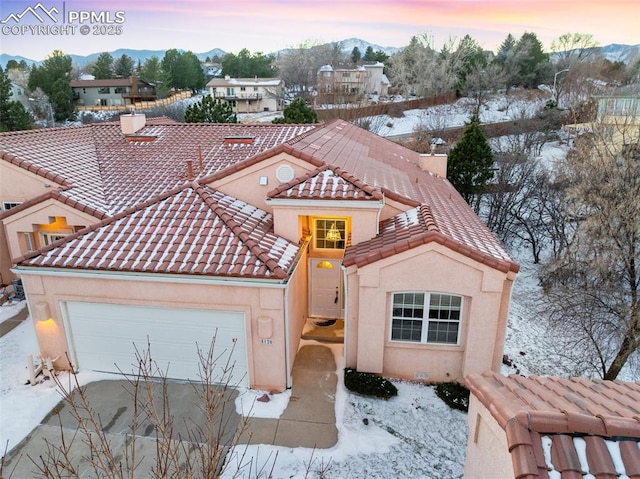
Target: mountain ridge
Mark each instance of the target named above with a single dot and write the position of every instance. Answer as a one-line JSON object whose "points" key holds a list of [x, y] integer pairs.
{"points": [[613, 52]]}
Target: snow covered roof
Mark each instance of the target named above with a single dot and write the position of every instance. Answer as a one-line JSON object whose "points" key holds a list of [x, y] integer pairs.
{"points": [[215, 82], [565, 428], [102, 169], [105, 173], [192, 230]]}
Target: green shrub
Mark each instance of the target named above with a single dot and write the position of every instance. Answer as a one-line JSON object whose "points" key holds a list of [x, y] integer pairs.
{"points": [[455, 395], [368, 384]]}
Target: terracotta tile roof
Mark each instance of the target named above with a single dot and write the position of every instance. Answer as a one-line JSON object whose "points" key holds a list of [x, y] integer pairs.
{"points": [[565, 428], [326, 183], [108, 173], [394, 170], [105, 171], [191, 230]]}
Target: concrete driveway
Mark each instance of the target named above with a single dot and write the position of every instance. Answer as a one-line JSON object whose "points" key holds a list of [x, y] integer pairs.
{"points": [[114, 407]]}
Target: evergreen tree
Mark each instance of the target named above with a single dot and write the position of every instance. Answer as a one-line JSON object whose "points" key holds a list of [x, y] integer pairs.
{"points": [[210, 110], [53, 77], [470, 162], [123, 66], [356, 56], [103, 67], [13, 116], [246, 65], [534, 64], [182, 70], [298, 112], [369, 55]]}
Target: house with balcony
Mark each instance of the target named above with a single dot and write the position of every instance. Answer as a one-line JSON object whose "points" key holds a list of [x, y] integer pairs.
{"points": [[111, 92], [248, 95], [179, 233], [350, 84]]}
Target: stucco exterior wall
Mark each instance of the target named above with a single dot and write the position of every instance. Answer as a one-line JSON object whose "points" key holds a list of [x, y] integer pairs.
{"points": [[297, 304], [429, 268], [245, 184], [487, 449], [19, 185], [26, 221], [266, 362]]}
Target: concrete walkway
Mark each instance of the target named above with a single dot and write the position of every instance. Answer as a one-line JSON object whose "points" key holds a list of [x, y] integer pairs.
{"points": [[310, 419], [10, 323]]}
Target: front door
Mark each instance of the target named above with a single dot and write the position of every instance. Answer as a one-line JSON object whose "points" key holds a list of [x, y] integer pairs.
{"points": [[325, 280]]}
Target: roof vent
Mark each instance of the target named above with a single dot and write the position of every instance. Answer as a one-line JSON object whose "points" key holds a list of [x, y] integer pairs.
{"points": [[285, 173], [242, 139]]}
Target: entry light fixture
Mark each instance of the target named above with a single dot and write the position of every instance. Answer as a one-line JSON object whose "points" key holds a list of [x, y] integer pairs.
{"points": [[325, 264], [41, 312], [333, 234]]}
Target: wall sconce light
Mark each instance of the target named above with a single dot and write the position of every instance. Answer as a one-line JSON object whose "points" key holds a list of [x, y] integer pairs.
{"points": [[41, 312], [325, 265], [333, 234]]}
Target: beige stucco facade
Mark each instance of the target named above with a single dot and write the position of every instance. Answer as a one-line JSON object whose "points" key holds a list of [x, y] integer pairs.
{"points": [[267, 361], [428, 268], [487, 448]]}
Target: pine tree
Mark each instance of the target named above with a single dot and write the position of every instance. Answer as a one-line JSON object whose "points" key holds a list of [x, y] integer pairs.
{"points": [[210, 110], [298, 112], [13, 116], [356, 56], [470, 162], [103, 68], [123, 66]]}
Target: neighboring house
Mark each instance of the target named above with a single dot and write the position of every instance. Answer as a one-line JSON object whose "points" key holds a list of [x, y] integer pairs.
{"points": [[346, 83], [112, 92], [620, 106], [17, 93], [548, 427], [211, 69], [248, 95], [171, 232]]}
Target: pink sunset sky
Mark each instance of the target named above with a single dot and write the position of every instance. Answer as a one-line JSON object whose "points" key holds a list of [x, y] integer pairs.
{"points": [[270, 25]]}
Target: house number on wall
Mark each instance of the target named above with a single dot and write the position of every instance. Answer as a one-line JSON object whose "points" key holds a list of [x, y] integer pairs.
{"points": [[266, 341]]}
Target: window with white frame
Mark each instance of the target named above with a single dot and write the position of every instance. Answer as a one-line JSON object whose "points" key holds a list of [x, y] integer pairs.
{"points": [[7, 205], [49, 238], [426, 317]]}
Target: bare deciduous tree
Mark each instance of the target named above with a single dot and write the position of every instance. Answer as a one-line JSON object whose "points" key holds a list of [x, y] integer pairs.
{"points": [[593, 285]]}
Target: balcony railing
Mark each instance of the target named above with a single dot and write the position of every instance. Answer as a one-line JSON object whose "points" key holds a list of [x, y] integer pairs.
{"points": [[237, 96]]}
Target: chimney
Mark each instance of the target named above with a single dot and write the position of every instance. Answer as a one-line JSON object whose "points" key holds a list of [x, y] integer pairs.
{"points": [[130, 124], [435, 163]]}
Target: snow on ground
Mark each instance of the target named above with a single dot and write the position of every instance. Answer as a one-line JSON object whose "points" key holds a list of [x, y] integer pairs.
{"points": [[496, 109]]}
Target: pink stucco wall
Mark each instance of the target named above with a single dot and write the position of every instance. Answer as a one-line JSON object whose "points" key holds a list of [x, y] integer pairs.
{"points": [[487, 450], [17, 186], [428, 268], [266, 363]]}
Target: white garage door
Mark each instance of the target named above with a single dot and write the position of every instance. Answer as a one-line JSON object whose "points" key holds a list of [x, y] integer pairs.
{"points": [[102, 337]]}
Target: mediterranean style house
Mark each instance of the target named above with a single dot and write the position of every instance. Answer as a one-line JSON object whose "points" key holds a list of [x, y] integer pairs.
{"points": [[548, 427], [170, 233], [248, 95], [111, 92]]}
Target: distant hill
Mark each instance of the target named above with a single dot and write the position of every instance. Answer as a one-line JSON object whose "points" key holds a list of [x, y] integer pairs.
{"points": [[142, 55], [613, 52]]}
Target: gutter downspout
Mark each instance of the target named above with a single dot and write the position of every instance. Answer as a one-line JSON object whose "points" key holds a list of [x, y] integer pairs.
{"points": [[346, 316]]}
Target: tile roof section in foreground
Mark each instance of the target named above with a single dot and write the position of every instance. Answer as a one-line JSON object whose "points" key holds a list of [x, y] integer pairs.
{"points": [[192, 230], [326, 183], [565, 428], [409, 230]]}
